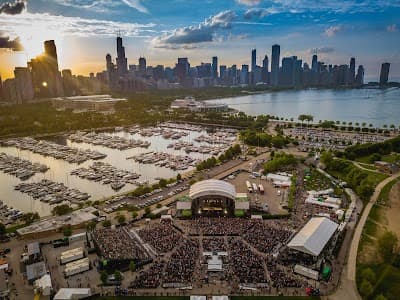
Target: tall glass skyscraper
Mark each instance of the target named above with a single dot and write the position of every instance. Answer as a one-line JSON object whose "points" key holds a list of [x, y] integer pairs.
{"points": [[276, 52]]}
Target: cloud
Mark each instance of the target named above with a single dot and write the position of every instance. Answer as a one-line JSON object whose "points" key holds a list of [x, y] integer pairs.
{"points": [[103, 5], [12, 8], [392, 28], [136, 4], [333, 30], [249, 2], [204, 32], [12, 44], [256, 13], [50, 26], [321, 50]]}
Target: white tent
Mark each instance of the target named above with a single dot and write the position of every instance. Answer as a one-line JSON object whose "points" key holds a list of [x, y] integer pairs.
{"points": [[313, 237]]}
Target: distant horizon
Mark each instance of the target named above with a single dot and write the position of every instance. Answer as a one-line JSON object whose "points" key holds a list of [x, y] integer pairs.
{"points": [[85, 31]]}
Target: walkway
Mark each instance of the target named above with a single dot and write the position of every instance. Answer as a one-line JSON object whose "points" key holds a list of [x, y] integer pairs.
{"points": [[347, 288]]}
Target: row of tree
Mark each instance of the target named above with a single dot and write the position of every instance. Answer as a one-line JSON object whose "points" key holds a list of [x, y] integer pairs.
{"points": [[211, 162], [280, 161]]}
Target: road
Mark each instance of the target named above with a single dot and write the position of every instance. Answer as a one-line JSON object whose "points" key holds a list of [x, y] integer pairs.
{"points": [[347, 289]]}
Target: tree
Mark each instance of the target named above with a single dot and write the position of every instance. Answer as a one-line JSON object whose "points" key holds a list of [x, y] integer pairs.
{"points": [[369, 275], [67, 230], [134, 215], [3, 229], [104, 277], [162, 183], [326, 157], [387, 245], [178, 177], [106, 223], [62, 210], [120, 219], [118, 275], [132, 266], [380, 297], [29, 218], [366, 288], [91, 225]]}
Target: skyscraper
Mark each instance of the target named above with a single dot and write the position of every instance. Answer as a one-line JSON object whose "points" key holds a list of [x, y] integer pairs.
{"points": [[122, 62], [352, 70], [264, 71], [142, 66], [46, 77], [214, 67], [314, 64], [276, 52], [384, 77], [359, 80], [253, 60], [182, 69]]}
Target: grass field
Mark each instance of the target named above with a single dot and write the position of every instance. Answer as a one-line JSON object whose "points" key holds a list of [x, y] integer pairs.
{"points": [[390, 158]]}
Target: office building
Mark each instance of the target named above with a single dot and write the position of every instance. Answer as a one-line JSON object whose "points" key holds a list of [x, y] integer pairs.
{"points": [[122, 62], [24, 84], [276, 49], [215, 67], [384, 76]]}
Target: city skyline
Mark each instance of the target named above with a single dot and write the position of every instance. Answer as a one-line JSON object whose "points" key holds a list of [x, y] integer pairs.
{"points": [[336, 32]]}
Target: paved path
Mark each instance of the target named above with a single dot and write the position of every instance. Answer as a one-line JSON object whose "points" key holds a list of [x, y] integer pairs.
{"points": [[347, 289], [364, 168]]}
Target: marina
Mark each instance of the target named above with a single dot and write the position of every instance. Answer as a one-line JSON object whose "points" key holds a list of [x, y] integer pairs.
{"points": [[113, 142], [107, 174], [51, 192], [47, 148], [21, 168], [9, 215], [163, 159], [60, 169]]}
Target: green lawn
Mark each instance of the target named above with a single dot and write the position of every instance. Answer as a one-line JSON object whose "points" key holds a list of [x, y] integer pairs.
{"points": [[384, 195], [391, 158], [144, 297]]}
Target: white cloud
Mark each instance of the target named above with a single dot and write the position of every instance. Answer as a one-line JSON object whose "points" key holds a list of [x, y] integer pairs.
{"points": [[136, 4], [333, 30], [103, 5], [47, 24], [392, 28], [249, 2], [256, 13], [204, 32]]}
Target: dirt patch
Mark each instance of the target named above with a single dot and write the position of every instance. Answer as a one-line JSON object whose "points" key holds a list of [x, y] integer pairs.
{"points": [[392, 213]]}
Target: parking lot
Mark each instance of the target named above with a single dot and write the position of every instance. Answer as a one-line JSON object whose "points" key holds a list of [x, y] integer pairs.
{"points": [[271, 198]]}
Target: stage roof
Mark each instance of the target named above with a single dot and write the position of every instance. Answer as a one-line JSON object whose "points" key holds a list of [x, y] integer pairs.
{"points": [[313, 237], [212, 187]]}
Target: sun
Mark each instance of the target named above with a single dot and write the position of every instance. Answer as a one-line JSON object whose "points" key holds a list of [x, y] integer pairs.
{"points": [[33, 37]]}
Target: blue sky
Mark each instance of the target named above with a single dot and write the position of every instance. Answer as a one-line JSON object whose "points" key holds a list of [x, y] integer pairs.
{"points": [[162, 30]]}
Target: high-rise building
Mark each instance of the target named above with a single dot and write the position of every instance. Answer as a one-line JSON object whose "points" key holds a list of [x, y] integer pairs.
{"points": [[352, 70], [122, 62], [223, 74], [384, 76], [264, 71], [24, 84], [182, 69], [359, 80], [276, 51], [215, 67], [253, 60], [46, 77], [314, 63], [244, 74], [287, 71], [142, 66]]}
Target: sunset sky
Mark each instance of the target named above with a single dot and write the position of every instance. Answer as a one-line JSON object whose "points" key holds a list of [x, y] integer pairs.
{"points": [[162, 30]]}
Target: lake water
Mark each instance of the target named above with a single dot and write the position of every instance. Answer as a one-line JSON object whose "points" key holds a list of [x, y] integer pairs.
{"points": [[375, 106], [60, 170]]}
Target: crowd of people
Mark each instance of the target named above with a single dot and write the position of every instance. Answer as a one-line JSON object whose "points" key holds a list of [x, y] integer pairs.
{"points": [[163, 237], [266, 237], [214, 244], [150, 278], [247, 266], [118, 244], [217, 226], [182, 263], [282, 278]]}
